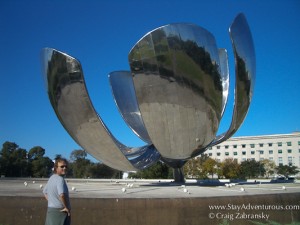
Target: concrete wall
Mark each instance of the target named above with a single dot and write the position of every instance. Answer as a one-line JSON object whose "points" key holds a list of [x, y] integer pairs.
{"points": [[185, 211]]}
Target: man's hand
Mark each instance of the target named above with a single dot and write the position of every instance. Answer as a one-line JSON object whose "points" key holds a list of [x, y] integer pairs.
{"points": [[64, 201], [66, 210]]}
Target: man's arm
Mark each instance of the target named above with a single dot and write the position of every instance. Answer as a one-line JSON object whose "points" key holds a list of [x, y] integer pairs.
{"points": [[64, 202]]}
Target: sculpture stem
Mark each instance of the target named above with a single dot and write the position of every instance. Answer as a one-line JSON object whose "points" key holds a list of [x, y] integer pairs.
{"points": [[178, 175]]}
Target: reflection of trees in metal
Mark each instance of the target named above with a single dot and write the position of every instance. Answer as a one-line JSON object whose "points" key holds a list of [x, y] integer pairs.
{"points": [[173, 98], [244, 83], [189, 70], [70, 100], [178, 83]]}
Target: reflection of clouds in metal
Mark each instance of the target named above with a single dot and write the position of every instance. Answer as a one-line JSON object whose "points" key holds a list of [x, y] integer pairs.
{"points": [[173, 98]]}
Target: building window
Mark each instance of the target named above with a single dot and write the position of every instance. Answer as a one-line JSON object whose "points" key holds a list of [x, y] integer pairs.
{"points": [[279, 151], [243, 159], [270, 152], [270, 144], [210, 148], [234, 146], [218, 147], [290, 160], [261, 152], [218, 153], [252, 152], [234, 153], [280, 160], [271, 158], [289, 143], [289, 150], [210, 154], [244, 153], [261, 145], [243, 146], [252, 145], [226, 146], [279, 144], [298, 142], [227, 153]]}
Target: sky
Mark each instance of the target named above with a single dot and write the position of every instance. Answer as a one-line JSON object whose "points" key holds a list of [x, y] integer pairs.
{"points": [[101, 33]]}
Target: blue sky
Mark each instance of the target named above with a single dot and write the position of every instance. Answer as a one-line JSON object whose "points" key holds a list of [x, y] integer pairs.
{"points": [[101, 33]]}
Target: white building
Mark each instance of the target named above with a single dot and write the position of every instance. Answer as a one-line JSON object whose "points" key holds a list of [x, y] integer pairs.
{"points": [[281, 148]]}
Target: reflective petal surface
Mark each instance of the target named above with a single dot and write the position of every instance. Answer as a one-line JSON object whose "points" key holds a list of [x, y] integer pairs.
{"points": [[224, 76], [178, 84], [245, 67], [71, 103], [173, 98], [124, 95]]}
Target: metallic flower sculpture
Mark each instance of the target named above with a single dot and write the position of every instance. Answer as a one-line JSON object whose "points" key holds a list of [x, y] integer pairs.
{"points": [[173, 98]]}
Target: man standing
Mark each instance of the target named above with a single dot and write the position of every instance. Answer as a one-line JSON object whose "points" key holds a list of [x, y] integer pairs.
{"points": [[57, 194]]}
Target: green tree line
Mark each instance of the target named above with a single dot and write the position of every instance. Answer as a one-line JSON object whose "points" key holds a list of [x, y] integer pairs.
{"points": [[204, 167], [18, 162]]}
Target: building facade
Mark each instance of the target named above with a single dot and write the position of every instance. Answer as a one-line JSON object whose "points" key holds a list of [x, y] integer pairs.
{"points": [[283, 149]]}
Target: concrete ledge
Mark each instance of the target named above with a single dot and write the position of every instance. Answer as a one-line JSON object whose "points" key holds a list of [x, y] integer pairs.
{"points": [[18, 210]]}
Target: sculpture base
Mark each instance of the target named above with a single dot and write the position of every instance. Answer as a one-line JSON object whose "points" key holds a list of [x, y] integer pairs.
{"points": [[130, 202], [131, 211]]}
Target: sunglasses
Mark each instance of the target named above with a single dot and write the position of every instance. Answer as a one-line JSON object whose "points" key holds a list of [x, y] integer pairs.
{"points": [[63, 167]]}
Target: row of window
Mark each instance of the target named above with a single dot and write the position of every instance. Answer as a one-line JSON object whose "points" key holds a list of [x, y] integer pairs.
{"points": [[290, 160], [279, 144], [253, 152]]}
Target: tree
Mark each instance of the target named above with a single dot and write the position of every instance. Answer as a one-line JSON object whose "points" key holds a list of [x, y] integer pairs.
{"points": [[36, 152], [40, 165], [100, 170], [79, 166], [252, 169], [194, 168], [191, 168], [13, 160], [230, 168], [287, 170], [78, 154], [210, 166], [269, 167], [159, 170]]}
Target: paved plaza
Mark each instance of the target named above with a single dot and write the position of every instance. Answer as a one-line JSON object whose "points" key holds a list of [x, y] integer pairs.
{"points": [[98, 188]]}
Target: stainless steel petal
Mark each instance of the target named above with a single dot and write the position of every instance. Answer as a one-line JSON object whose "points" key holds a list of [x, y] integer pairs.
{"points": [[245, 67], [225, 76], [176, 74], [71, 103], [124, 94]]}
